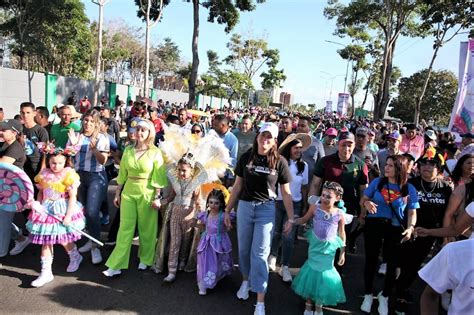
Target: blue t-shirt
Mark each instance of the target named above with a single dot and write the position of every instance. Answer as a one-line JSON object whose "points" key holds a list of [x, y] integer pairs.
{"points": [[381, 199]]}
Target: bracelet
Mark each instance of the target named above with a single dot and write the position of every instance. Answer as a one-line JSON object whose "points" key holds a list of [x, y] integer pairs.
{"points": [[292, 221]]}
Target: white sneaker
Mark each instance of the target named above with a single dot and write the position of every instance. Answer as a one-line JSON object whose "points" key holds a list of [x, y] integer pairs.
{"points": [[202, 289], [87, 247], [285, 274], [111, 272], [74, 263], [382, 269], [243, 293], [308, 312], [20, 246], [142, 266], [367, 303], [170, 278], [383, 304], [398, 271], [43, 278], [318, 313], [96, 256], [272, 262], [259, 309]]}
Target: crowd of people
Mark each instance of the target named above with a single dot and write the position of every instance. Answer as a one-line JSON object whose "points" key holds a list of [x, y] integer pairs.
{"points": [[407, 188]]}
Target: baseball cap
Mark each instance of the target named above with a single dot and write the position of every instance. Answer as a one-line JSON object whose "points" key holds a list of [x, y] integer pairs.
{"points": [[346, 136], [371, 132], [395, 135], [331, 132], [133, 124], [271, 128], [362, 131], [11, 124]]}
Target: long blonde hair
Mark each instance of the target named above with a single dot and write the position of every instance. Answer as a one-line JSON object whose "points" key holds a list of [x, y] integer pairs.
{"points": [[95, 119]]}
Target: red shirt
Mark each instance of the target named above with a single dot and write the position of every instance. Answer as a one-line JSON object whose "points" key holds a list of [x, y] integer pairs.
{"points": [[157, 124], [84, 106]]}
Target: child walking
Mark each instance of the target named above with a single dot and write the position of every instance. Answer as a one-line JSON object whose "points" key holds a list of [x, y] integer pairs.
{"points": [[214, 253], [318, 280], [58, 196], [184, 199]]}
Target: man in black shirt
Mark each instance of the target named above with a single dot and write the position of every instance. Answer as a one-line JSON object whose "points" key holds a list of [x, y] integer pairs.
{"points": [[34, 133], [42, 118], [113, 128]]}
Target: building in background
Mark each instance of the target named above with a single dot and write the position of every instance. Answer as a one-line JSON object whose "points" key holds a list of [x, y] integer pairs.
{"points": [[286, 98]]}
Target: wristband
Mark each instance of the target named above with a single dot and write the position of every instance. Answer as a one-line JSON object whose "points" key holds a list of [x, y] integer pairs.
{"points": [[292, 221]]}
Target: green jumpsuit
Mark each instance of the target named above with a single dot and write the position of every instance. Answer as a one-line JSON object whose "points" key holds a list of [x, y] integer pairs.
{"points": [[148, 173]]}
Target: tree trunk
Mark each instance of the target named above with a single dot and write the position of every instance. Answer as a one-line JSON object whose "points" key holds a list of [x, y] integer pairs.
{"points": [[99, 54], [147, 49], [195, 64], [366, 91], [425, 85], [386, 84]]}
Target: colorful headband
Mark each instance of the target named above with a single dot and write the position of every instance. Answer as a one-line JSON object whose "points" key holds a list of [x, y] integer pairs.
{"points": [[50, 149], [188, 158], [334, 186]]}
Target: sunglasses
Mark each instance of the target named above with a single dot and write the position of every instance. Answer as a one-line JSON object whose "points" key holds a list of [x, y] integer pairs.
{"points": [[195, 131]]}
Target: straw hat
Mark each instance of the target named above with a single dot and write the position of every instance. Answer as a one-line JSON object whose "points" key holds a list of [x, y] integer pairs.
{"points": [[303, 137]]}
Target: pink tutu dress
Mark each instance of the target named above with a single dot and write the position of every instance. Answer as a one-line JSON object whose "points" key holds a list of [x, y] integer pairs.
{"points": [[43, 228]]}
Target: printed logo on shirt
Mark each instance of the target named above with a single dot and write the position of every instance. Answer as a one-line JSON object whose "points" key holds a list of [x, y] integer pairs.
{"points": [[393, 194], [431, 198], [262, 169]]}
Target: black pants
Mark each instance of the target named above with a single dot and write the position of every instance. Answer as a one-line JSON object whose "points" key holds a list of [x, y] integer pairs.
{"points": [[380, 231], [412, 255]]}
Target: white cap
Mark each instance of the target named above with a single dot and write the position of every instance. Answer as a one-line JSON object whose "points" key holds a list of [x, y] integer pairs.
{"points": [[271, 128], [470, 209]]}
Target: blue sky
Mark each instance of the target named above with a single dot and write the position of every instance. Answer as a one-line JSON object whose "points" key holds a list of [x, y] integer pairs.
{"points": [[297, 28]]}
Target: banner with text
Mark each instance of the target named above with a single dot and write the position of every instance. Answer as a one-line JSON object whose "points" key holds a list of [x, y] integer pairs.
{"points": [[342, 103], [462, 116], [328, 109]]}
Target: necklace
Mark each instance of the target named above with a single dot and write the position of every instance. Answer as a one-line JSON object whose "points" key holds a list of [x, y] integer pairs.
{"points": [[424, 189]]}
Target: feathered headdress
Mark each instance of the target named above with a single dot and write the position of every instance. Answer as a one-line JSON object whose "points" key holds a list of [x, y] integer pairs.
{"points": [[49, 148], [209, 151]]}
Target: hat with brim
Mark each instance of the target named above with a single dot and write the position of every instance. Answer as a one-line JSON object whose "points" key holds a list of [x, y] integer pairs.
{"points": [[11, 124], [430, 134], [74, 113], [304, 138]]}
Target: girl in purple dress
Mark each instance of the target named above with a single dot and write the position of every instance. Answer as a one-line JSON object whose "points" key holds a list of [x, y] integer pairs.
{"points": [[214, 253]]}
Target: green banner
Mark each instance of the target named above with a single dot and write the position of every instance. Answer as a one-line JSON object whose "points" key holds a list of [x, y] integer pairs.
{"points": [[130, 94], [112, 94], [50, 96], [154, 95], [359, 112], [197, 101]]}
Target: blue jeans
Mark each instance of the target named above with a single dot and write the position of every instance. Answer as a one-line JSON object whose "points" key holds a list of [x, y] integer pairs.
{"points": [[8, 231], [279, 239], [255, 223], [92, 191]]}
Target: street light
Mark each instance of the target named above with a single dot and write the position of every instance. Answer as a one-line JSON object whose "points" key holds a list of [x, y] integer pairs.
{"points": [[332, 80], [348, 61]]}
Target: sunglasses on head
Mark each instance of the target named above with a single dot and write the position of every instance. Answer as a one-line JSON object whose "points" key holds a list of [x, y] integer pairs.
{"points": [[194, 131]]}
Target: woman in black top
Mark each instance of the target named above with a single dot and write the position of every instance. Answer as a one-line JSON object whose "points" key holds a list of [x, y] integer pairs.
{"points": [[12, 151], [433, 197], [257, 174]]}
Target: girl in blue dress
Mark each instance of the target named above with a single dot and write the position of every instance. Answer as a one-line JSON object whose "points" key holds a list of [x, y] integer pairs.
{"points": [[318, 280]]}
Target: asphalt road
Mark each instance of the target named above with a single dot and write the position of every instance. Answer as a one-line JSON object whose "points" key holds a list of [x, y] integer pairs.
{"points": [[144, 292]]}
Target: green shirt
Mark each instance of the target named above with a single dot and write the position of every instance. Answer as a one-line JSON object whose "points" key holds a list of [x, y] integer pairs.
{"points": [[59, 134]]}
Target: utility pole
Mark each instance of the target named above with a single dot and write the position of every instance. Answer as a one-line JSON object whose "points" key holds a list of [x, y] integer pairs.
{"points": [[101, 4], [348, 61]]}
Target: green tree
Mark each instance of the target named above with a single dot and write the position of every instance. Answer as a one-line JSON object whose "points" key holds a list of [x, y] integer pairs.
{"points": [[437, 103], [388, 19], [250, 55], [50, 35], [167, 58], [442, 17]]}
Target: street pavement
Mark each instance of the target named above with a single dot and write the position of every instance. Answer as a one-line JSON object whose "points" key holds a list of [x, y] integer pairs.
{"points": [[144, 292]]}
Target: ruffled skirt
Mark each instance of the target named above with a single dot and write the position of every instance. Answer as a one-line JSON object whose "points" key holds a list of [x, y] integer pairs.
{"points": [[318, 279], [45, 229]]}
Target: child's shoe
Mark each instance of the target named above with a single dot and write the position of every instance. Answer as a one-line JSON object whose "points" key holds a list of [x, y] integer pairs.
{"points": [[46, 274], [308, 312], [259, 309], [202, 289], [75, 260], [170, 278], [367, 303]]}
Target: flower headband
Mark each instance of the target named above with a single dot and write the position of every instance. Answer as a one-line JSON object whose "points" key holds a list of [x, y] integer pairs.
{"points": [[334, 186], [49, 148]]}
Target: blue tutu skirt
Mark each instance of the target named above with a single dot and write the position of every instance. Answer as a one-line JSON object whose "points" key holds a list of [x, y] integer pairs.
{"points": [[318, 279]]}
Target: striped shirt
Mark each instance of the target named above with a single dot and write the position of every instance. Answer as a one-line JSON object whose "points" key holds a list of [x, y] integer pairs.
{"points": [[85, 159]]}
